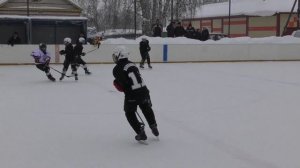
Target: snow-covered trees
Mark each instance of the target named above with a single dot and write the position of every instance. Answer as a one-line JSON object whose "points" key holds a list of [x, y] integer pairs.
{"points": [[119, 14]]}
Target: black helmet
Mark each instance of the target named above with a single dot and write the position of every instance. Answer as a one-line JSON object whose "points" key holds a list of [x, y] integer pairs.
{"points": [[43, 47]]}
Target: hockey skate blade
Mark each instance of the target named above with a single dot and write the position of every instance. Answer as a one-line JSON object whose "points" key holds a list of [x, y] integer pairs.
{"points": [[143, 142]]}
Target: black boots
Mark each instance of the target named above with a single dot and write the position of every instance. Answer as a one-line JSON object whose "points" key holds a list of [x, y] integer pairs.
{"points": [[154, 130], [142, 135], [50, 77]]}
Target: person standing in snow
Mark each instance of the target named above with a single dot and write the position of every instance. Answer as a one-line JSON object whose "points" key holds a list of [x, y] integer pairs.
{"points": [[14, 39]]}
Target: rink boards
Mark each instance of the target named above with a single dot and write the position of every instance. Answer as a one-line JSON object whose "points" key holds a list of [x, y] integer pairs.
{"points": [[20, 54]]}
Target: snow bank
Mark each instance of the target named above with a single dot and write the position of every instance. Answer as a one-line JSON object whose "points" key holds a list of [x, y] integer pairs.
{"points": [[184, 40]]}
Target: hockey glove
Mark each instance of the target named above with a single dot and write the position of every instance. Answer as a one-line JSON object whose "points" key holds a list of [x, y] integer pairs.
{"points": [[47, 60], [118, 86], [83, 54], [36, 60], [62, 52]]}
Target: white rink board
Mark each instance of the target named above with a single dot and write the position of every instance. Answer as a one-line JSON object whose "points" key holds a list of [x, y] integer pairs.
{"points": [[20, 54]]}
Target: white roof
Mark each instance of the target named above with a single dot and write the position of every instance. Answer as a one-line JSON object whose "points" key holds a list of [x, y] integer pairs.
{"points": [[246, 7], [72, 2], [43, 17], [1, 1]]}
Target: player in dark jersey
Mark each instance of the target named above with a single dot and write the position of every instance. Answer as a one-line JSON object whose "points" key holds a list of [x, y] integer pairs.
{"points": [[144, 50], [128, 80], [78, 53], [69, 59]]}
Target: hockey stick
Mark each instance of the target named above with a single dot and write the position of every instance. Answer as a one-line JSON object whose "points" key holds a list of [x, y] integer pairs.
{"points": [[60, 72], [53, 69], [142, 122], [93, 49]]}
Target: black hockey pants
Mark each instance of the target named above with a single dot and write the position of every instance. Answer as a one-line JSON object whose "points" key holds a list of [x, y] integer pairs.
{"points": [[130, 108]]}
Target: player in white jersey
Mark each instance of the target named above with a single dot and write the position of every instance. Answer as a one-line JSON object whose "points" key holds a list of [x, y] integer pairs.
{"points": [[42, 59]]}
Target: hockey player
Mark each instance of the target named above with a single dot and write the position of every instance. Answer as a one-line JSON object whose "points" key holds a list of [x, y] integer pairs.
{"points": [[129, 80], [78, 53], [42, 59], [69, 58], [144, 50]]}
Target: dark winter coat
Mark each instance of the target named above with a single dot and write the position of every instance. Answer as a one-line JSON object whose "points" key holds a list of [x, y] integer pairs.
{"points": [[190, 32], [14, 40], [157, 30], [179, 31], [204, 35], [170, 30]]}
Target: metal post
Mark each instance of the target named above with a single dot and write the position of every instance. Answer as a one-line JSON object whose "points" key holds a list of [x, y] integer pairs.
{"points": [[27, 7], [298, 13], [172, 8], [287, 21], [229, 17], [135, 19], [177, 10]]}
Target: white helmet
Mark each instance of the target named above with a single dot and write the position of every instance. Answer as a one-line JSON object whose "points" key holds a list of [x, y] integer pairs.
{"points": [[120, 52], [81, 40], [67, 40]]}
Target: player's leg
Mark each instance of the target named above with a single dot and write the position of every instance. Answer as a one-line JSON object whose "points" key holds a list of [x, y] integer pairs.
{"points": [[84, 66], [47, 71], [74, 70], [146, 107], [143, 60], [65, 68], [130, 112], [148, 61]]}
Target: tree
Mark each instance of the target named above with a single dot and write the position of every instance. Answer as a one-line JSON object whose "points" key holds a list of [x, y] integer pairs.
{"points": [[146, 20], [119, 14]]}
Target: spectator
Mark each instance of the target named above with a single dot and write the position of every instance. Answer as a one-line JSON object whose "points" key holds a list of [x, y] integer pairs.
{"points": [[204, 34], [179, 30], [171, 29], [197, 34], [14, 39], [190, 31], [157, 29]]}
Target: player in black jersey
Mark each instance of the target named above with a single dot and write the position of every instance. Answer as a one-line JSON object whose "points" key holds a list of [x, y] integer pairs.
{"points": [[144, 50], [128, 80], [69, 58], [78, 53]]}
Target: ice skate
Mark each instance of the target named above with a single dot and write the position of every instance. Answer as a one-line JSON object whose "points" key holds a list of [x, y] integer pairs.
{"points": [[154, 130], [88, 72], [141, 136], [50, 77], [62, 77]]}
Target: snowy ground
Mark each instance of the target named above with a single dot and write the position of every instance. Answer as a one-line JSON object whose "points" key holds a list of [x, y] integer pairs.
{"points": [[210, 115]]}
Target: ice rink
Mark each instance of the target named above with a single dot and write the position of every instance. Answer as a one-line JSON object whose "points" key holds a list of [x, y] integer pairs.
{"points": [[210, 115]]}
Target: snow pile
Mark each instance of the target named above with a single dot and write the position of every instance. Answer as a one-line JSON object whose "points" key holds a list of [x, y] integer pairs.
{"points": [[184, 40]]}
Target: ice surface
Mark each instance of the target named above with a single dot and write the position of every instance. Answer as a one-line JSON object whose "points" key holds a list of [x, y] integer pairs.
{"points": [[210, 115]]}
